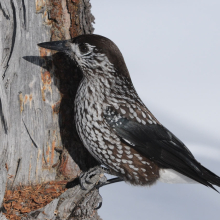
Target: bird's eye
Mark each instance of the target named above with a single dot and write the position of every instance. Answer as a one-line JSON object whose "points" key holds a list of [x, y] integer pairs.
{"points": [[83, 48]]}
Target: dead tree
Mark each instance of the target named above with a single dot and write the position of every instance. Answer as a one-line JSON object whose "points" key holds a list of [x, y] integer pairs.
{"points": [[41, 155]]}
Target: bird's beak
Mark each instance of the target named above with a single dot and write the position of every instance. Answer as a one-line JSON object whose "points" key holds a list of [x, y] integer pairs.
{"points": [[61, 46]]}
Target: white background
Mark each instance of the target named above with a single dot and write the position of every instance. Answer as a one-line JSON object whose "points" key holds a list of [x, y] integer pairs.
{"points": [[172, 50]]}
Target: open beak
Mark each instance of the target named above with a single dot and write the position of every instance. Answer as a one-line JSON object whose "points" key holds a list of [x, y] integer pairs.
{"points": [[61, 46]]}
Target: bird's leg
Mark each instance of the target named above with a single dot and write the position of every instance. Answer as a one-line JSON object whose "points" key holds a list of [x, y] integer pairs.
{"points": [[105, 182], [110, 181], [85, 178]]}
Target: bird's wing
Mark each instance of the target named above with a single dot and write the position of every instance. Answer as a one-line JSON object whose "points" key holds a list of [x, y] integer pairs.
{"points": [[158, 144]]}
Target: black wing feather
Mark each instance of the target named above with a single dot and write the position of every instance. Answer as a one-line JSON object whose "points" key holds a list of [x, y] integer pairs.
{"points": [[159, 145]]}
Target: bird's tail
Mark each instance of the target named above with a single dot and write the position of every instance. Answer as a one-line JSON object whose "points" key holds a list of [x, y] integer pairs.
{"points": [[211, 177]]}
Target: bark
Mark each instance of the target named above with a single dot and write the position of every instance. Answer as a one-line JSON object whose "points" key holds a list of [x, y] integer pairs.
{"points": [[41, 155]]}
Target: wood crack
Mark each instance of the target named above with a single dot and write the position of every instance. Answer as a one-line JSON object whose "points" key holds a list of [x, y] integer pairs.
{"points": [[16, 172], [33, 141], [4, 13], [24, 13], [13, 37], [18, 164], [4, 123]]}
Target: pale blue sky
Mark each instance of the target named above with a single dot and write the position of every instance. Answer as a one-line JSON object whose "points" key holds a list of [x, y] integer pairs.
{"points": [[172, 50]]}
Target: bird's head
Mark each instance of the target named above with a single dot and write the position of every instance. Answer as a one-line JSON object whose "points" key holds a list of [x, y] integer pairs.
{"points": [[94, 54]]}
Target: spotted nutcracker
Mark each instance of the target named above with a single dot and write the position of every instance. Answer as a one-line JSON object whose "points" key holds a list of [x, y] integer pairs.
{"points": [[115, 125]]}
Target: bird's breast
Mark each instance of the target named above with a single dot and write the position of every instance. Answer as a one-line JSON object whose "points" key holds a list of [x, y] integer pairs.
{"points": [[88, 116]]}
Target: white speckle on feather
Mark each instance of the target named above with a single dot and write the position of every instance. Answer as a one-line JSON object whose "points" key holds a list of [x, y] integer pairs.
{"points": [[119, 147], [127, 152], [120, 151], [104, 152], [149, 121], [112, 157], [106, 156], [133, 167], [143, 114], [122, 171], [138, 119], [123, 111], [109, 152], [136, 178], [131, 116], [111, 147], [131, 110]]}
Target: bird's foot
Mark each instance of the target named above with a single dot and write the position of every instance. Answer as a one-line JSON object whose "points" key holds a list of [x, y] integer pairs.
{"points": [[85, 177]]}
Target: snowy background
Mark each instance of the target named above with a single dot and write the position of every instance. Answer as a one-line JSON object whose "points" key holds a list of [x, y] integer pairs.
{"points": [[172, 50]]}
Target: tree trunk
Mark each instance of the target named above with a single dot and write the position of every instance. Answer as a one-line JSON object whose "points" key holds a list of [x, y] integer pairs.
{"points": [[40, 152]]}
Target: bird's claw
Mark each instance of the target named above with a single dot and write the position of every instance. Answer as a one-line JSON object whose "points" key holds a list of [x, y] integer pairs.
{"points": [[99, 206], [98, 202]]}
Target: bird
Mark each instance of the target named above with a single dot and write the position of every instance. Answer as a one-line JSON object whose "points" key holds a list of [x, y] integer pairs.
{"points": [[117, 128]]}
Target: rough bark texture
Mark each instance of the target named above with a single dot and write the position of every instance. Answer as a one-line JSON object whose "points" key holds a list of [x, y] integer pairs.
{"points": [[40, 151]]}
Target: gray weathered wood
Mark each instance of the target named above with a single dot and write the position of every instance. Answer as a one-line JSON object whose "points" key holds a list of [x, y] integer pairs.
{"points": [[39, 142]]}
